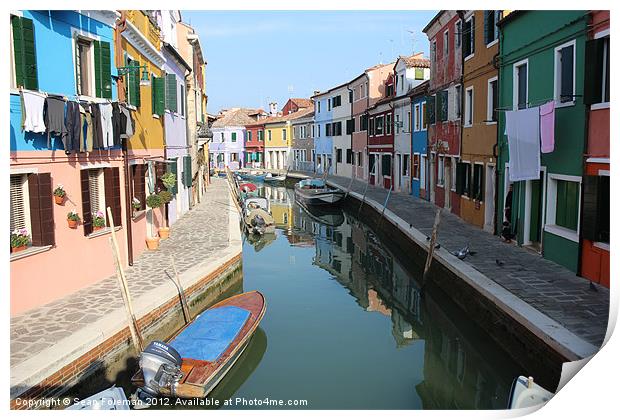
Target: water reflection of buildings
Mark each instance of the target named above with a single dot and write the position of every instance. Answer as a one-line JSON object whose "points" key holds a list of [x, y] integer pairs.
{"points": [[281, 206], [456, 373]]}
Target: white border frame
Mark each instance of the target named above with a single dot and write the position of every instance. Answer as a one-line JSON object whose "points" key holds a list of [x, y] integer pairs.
{"points": [[550, 211], [515, 83], [557, 70], [490, 100], [469, 108]]}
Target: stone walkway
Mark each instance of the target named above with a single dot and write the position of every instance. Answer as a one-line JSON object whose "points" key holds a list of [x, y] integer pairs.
{"points": [[548, 287], [200, 233]]}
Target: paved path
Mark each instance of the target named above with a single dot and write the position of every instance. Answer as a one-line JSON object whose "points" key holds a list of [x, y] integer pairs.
{"points": [[198, 235], [548, 287]]}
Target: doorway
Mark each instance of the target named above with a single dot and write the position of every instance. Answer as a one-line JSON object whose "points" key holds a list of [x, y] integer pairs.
{"points": [[534, 210], [489, 199]]}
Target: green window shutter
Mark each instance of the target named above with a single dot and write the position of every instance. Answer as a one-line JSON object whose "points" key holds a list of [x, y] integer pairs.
{"points": [[25, 53], [133, 82], [567, 204], [158, 88], [419, 73], [234, 136], [103, 73], [171, 92], [172, 167], [187, 171]]}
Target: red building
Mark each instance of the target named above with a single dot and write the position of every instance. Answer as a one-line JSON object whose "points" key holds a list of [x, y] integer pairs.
{"points": [[295, 104], [445, 34], [596, 205], [381, 137], [255, 145]]}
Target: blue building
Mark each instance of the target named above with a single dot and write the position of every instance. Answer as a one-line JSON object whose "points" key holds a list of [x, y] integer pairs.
{"points": [[63, 60], [419, 178], [323, 144]]}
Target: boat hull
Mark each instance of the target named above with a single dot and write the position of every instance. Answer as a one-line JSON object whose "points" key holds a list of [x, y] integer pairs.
{"points": [[201, 376], [319, 197]]}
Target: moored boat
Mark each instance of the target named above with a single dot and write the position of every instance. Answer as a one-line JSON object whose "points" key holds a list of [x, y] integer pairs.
{"points": [[256, 215], [527, 393], [196, 359], [273, 179], [113, 398], [315, 192]]}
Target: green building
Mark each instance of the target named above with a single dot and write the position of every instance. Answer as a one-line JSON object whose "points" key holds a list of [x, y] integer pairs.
{"points": [[541, 58]]}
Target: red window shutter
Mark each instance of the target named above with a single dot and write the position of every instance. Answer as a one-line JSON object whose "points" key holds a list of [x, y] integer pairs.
{"points": [[41, 210], [87, 217], [112, 185]]}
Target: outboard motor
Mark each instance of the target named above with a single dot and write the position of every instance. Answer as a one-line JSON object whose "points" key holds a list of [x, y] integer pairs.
{"points": [[161, 368]]}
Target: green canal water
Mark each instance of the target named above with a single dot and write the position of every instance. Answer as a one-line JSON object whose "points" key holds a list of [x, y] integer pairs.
{"points": [[347, 328]]}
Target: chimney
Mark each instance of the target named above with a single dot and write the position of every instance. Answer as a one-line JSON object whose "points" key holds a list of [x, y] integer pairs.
{"points": [[316, 92], [273, 109]]}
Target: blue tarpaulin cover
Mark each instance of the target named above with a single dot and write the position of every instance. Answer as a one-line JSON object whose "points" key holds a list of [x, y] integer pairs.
{"points": [[211, 333]]}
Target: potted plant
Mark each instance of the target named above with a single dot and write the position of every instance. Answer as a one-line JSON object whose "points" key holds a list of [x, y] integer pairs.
{"points": [[19, 240], [98, 220], [169, 180], [153, 201], [166, 197], [73, 219], [136, 205], [59, 194]]}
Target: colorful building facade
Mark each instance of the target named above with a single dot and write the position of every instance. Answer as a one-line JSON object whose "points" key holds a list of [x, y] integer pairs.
{"points": [[419, 139], [381, 138], [323, 143], [227, 148], [538, 66], [595, 210], [255, 145], [445, 32]]}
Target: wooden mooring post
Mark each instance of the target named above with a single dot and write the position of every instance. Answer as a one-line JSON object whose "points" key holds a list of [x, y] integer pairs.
{"points": [[385, 206], [134, 328], [374, 166], [431, 250], [177, 283]]}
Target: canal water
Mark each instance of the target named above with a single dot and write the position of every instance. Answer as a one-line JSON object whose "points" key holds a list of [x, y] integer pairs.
{"points": [[346, 326]]}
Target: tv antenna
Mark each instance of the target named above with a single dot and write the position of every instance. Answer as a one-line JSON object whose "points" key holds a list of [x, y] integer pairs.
{"points": [[413, 40], [290, 91]]}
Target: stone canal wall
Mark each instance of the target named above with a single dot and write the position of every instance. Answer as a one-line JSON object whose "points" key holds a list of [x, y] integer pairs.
{"points": [[98, 352]]}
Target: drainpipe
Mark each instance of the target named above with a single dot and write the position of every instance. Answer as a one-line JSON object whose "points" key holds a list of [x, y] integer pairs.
{"points": [[350, 135], [461, 16], [121, 25]]}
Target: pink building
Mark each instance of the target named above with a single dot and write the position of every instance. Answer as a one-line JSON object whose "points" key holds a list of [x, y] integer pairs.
{"points": [[367, 89]]}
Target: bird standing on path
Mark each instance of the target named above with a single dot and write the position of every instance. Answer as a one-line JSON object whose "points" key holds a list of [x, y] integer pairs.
{"points": [[463, 253]]}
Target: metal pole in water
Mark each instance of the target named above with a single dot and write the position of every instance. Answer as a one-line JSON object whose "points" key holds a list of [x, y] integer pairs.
{"points": [[385, 205], [177, 283], [374, 166], [431, 249]]}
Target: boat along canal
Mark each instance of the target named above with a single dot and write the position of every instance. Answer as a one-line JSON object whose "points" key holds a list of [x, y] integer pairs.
{"points": [[346, 326]]}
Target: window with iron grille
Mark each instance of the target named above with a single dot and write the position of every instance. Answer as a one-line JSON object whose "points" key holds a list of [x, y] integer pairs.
{"points": [[20, 214], [96, 190]]}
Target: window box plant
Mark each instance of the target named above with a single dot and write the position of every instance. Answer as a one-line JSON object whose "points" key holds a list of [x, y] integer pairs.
{"points": [[73, 219], [19, 240], [169, 180], [59, 194], [98, 220]]}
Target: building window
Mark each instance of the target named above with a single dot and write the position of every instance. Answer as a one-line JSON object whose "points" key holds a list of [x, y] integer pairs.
{"points": [[222, 137], [338, 155], [261, 135], [520, 84], [491, 31], [416, 166], [329, 104], [388, 124], [416, 116], [359, 159], [492, 100], [596, 208], [268, 135], [405, 167], [596, 81], [563, 205], [248, 135], [20, 206], [423, 116], [442, 105], [440, 171], [83, 66], [469, 106], [422, 172], [349, 156], [446, 46], [433, 51], [431, 112], [233, 136], [463, 181], [457, 33], [458, 97], [284, 134], [478, 184], [386, 165], [318, 104], [564, 81], [408, 129], [137, 179], [96, 190], [379, 125], [468, 37]]}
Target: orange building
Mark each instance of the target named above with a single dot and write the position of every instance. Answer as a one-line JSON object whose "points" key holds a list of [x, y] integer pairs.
{"points": [[475, 175]]}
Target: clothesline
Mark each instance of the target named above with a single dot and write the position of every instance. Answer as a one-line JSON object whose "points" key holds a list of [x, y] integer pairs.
{"points": [[72, 98]]}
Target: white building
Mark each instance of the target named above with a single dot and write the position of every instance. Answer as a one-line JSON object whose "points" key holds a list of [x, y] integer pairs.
{"points": [[339, 104], [409, 72]]}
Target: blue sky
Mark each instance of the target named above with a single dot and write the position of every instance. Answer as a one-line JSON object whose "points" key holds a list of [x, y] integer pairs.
{"points": [[255, 57]]}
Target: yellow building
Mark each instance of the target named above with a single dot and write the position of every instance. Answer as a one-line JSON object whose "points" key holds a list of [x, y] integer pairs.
{"points": [[278, 140], [141, 85]]}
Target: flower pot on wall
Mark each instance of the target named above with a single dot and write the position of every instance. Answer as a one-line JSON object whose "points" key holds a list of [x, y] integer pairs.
{"points": [[152, 243], [164, 232], [18, 248], [96, 228], [59, 200], [72, 223]]}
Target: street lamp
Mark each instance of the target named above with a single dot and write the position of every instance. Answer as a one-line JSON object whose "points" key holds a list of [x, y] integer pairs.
{"points": [[145, 80]]}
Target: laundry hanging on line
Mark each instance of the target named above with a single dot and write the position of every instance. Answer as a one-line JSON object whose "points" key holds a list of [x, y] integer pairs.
{"points": [[32, 111], [547, 127], [523, 132]]}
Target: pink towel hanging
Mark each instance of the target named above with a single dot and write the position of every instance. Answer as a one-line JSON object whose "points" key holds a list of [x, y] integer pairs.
{"points": [[547, 127]]}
